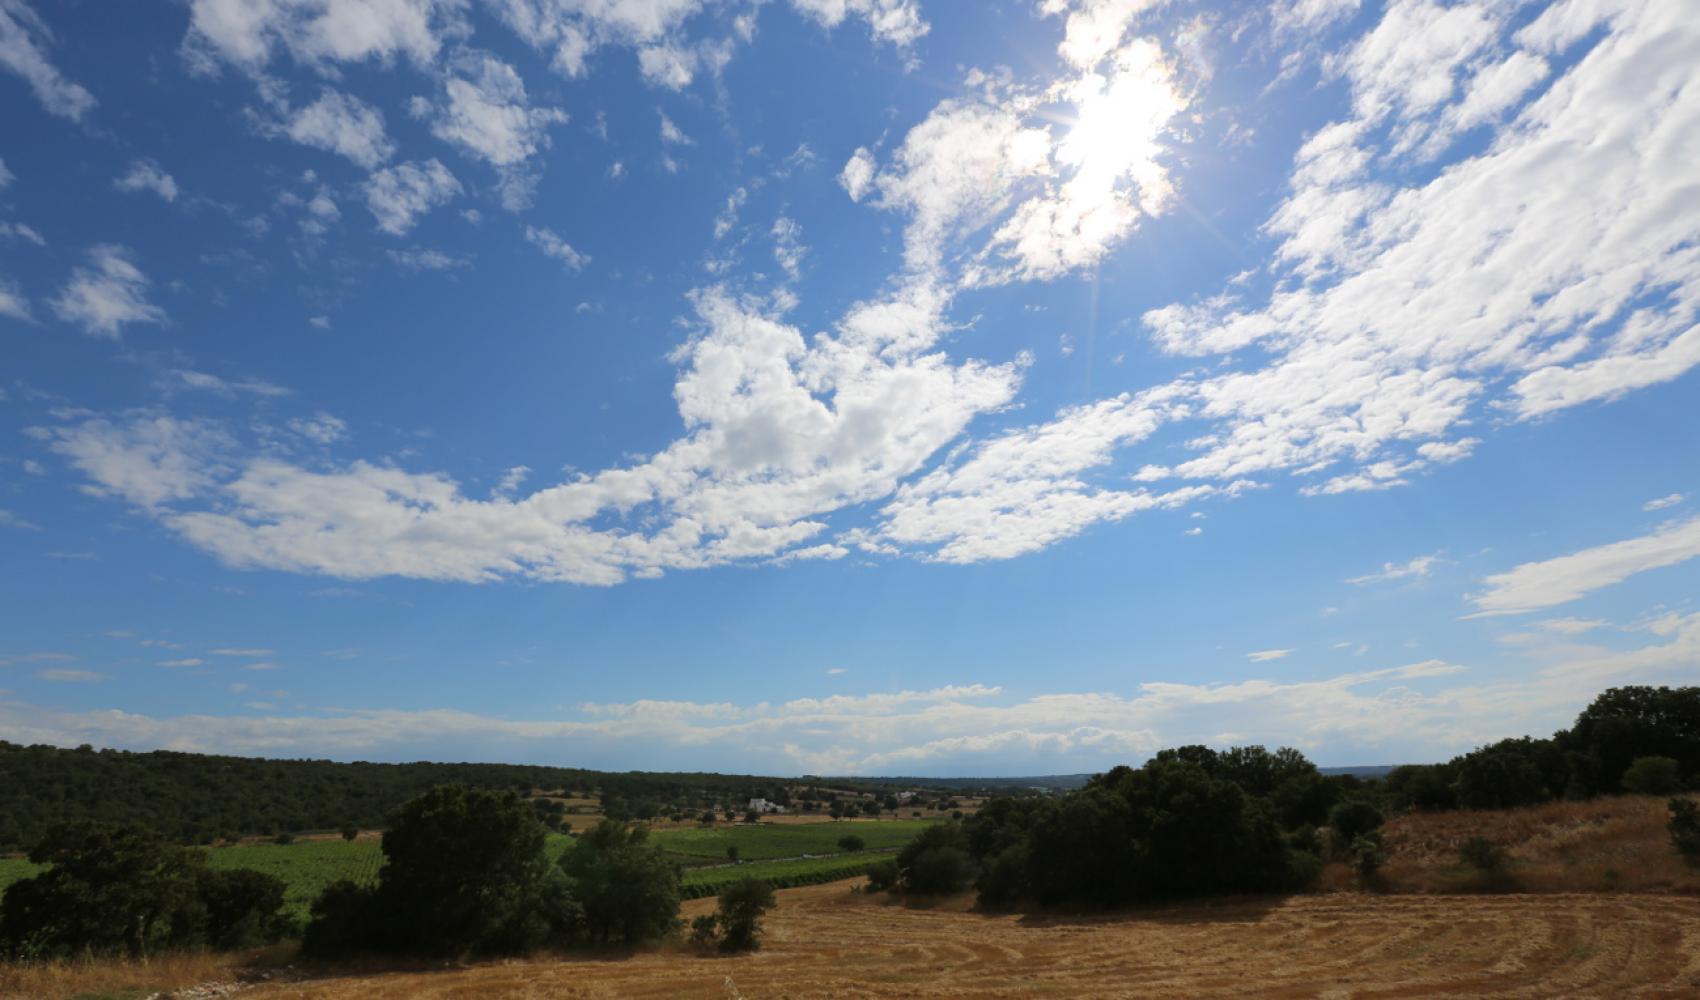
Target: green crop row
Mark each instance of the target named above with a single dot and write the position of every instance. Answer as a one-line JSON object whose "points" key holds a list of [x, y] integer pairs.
{"points": [[701, 882]]}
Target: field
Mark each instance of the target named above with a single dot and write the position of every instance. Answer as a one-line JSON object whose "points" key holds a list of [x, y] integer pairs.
{"points": [[307, 866], [825, 941]]}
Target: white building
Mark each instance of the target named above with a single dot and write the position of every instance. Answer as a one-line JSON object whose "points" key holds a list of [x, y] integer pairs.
{"points": [[764, 806]]}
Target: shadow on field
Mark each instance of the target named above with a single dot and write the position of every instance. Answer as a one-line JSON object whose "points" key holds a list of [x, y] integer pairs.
{"points": [[1227, 910]]}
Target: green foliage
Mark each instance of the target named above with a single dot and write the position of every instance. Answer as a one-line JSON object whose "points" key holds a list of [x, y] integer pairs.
{"points": [[771, 841], [1685, 828], [1483, 855], [628, 889], [851, 842], [111, 890], [883, 876], [705, 929], [1351, 820], [937, 861], [1366, 855], [350, 831], [1625, 723], [740, 910], [1653, 776], [464, 872], [1511, 773]]}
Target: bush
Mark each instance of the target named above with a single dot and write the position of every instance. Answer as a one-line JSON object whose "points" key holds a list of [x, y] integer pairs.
{"points": [[1684, 828], [1351, 820], [1366, 855], [350, 831], [741, 907], [705, 929], [1483, 855], [851, 842], [883, 877], [113, 889], [937, 860], [1653, 776]]}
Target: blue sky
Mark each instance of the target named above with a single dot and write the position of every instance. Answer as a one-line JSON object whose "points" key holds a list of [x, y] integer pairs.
{"points": [[831, 386]]}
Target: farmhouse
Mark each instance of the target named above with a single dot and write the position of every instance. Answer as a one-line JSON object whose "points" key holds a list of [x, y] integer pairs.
{"points": [[764, 806]]}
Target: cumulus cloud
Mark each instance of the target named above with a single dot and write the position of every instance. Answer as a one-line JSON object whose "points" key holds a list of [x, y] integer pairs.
{"points": [[1535, 585], [107, 294], [24, 40], [898, 22], [342, 124], [572, 30], [484, 110], [397, 196], [145, 175], [249, 33]]}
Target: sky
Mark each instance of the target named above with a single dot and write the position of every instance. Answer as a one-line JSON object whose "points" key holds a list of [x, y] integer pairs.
{"points": [[843, 386]]}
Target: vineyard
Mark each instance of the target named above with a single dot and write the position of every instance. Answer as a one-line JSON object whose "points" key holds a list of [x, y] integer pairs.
{"points": [[766, 842], [699, 882]]}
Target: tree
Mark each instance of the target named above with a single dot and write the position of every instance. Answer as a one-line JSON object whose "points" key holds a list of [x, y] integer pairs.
{"points": [[752, 816], [851, 842], [740, 910], [464, 872], [628, 889], [707, 817], [1652, 776], [1351, 820], [350, 831], [113, 889], [732, 853]]}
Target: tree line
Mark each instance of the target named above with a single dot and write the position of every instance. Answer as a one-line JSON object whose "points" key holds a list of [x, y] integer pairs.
{"points": [[1196, 821], [464, 874], [199, 798]]}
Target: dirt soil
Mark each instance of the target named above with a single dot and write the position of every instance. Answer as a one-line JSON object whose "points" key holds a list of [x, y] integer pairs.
{"points": [[825, 941]]}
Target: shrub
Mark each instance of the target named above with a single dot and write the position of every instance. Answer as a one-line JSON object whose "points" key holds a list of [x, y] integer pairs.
{"points": [[705, 929], [114, 889], [350, 831], [937, 860], [883, 877], [1653, 776], [1351, 820], [284, 839], [1483, 855], [740, 910], [732, 853], [1366, 854], [851, 842], [1684, 828]]}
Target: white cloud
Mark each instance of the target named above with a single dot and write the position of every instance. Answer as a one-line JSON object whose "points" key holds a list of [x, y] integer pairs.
{"points": [[18, 230], [146, 461], [788, 249], [341, 124], [106, 295], [1536, 585], [421, 259], [321, 428], [671, 134], [12, 301], [72, 676], [180, 378], [1266, 655], [857, 177], [897, 22], [242, 651], [1572, 626], [572, 30], [145, 175], [187, 661], [24, 39], [548, 241], [247, 33], [484, 110], [11, 520], [399, 195], [1670, 500], [1418, 568]]}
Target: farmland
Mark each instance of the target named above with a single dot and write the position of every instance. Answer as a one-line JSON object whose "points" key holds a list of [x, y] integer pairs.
{"points": [[825, 941], [307, 866]]}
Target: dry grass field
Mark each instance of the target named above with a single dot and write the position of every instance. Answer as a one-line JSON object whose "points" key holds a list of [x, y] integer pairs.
{"points": [[825, 941]]}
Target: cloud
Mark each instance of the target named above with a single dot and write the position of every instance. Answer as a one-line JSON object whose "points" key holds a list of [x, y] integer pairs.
{"points": [[572, 30], [247, 33], [1266, 655], [147, 461], [180, 378], [107, 295], [671, 134], [11, 520], [187, 661], [24, 39], [341, 124], [1535, 585], [145, 175], [484, 110], [1414, 711], [1661, 503], [19, 230], [418, 259], [12, 302], [1418, 568], [857, 177], [552, 245], [321, 428], [238, 651], [897, 22], [72, 676], [399, 195]]}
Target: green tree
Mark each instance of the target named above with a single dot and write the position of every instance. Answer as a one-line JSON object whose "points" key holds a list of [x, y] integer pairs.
{"points": [[851, 842], [1653, 776], [740, 911], [628, 889], [1351, 820], [1685, 828]]}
